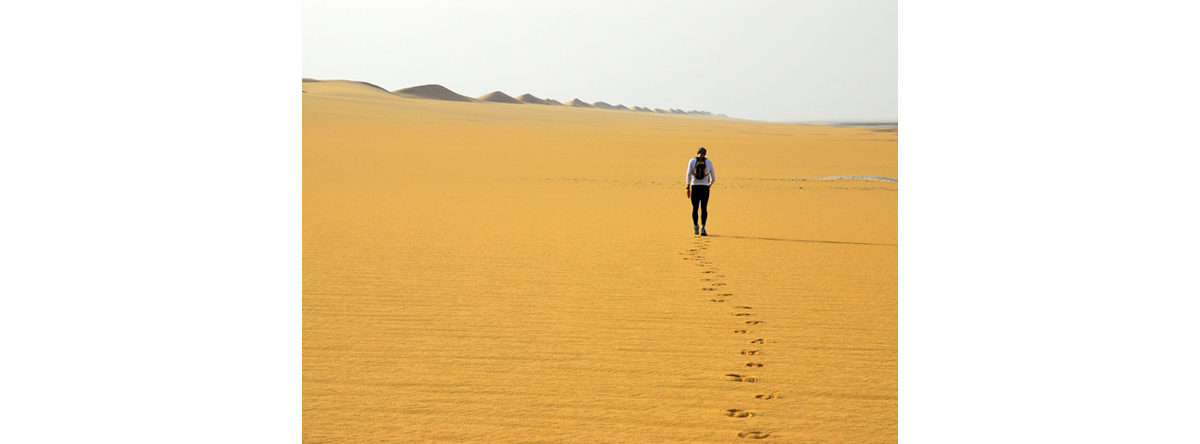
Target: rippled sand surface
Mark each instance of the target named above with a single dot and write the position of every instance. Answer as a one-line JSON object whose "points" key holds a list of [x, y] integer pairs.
{"points": [[494, 273]]}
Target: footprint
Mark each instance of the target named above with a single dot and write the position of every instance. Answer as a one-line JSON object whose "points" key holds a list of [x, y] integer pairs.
{"points": [[754, 434], [754, 322], [708, 289], [743, 307], [769, 396], [753, 364], [717, 300], [739, 378], [751, 352], [726, 294], [708, 271], [757, 341], [742, 314], [742, 332], [718, 284], [738, 413]]}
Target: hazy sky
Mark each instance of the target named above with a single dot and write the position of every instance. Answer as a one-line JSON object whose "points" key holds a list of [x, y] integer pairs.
{"points": [[793, 60]]}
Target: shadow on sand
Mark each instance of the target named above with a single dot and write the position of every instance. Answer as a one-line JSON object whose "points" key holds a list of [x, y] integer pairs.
{"points": [[802, 240]]}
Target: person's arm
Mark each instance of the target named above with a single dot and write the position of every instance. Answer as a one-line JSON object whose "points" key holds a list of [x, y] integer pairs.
{"points": [[712, 174], [687, 177]]}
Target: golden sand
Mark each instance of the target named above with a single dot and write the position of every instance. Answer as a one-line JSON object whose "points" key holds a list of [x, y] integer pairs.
{"points": [[494, 272]]}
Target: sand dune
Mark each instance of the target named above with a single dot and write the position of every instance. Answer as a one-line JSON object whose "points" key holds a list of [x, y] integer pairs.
{"points": [[435, 92], [530, 98], [578, 103], [439, 92], [347, 89], [514, 274], [497, 96]]}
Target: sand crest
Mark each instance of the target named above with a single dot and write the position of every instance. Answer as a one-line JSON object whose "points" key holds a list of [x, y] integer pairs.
{"points": [[579, 104], [499, 97], [530, 98], [435, 92]]}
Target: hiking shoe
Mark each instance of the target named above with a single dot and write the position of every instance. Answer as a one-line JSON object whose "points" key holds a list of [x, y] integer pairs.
{"points": [[697, 228], [703, 233]]}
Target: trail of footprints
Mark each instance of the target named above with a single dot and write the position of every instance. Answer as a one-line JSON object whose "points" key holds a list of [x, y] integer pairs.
{"points": [[744, 319]]}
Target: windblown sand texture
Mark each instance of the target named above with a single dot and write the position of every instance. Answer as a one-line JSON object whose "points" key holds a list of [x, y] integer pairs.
{"points": [[479, 272]]}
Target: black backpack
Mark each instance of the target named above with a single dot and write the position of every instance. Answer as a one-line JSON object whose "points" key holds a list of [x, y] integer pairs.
{"points": [[699, 172]]}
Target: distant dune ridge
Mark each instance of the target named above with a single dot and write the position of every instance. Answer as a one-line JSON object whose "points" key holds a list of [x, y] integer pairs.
{"points": [[497, 96], [530, 98], [439, 92], [372, 85], [579, 103], [435, 92]]}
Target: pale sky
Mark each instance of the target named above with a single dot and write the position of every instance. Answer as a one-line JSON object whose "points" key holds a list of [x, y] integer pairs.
{"points": [[795, 60]]}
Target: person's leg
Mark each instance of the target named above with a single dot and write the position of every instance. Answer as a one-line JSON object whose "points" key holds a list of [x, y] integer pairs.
{"points": [[695, 207], [704, 208]]}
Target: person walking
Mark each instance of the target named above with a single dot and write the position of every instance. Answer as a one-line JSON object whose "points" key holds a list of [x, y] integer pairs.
{"points": [[699, 179]]}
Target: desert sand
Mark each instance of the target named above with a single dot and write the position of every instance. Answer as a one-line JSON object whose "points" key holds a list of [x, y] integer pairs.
{"points": [[489, 272]]}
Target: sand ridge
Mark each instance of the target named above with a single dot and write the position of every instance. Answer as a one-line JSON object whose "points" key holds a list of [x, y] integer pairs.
{"points": [[435, 92], [499, 97], [530, 98], [439, 92], [579, 104]]}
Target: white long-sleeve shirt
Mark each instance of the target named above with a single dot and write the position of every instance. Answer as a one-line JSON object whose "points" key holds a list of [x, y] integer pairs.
{"points": [[708, 178]]}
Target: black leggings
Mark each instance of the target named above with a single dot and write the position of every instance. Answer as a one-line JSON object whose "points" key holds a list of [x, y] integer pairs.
{"points": [[700, 200]]}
